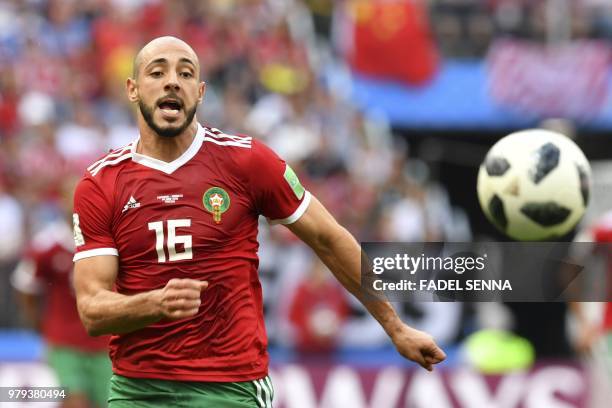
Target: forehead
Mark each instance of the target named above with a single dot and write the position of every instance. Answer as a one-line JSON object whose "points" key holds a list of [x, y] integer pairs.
{"points": [[172, 53]]}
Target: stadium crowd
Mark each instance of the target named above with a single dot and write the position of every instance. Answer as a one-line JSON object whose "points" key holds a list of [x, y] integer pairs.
{"points": [[62, 105], [63, 64], [466, 28]]}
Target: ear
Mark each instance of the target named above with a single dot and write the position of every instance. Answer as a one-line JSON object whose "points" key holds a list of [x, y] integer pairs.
{"points": [[132, 90], [201, 91]]}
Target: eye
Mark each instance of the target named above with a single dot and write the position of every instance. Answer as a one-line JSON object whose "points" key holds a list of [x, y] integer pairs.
{"points": [[186, 74], [156, 74]]}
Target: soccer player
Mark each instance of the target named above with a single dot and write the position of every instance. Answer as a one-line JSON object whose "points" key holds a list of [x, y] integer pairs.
{"points": [[43, 280], [590, 334], [166, 260]]}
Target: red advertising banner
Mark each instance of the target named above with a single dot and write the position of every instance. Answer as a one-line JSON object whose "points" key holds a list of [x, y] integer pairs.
{"points": [[544, 386], [310, 385]]}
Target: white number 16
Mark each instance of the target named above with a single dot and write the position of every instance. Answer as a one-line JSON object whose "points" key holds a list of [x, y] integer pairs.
{"points": [[173, 239]]}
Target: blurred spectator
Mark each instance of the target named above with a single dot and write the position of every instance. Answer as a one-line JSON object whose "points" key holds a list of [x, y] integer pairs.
{"points": [[12, 235], [11, 227], [291, 128], [600, 12], [64, 32], [322, 11], [9, 118], [318, 311], [80, 141], [36, 108], [39, 163], [462, 27], [39, 71]]}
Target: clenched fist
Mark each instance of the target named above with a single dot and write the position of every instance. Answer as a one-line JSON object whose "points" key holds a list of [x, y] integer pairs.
{"points": [[418, 346], [180, 298]]}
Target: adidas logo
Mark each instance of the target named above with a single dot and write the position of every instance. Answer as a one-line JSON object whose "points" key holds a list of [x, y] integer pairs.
{"points": [[132, 203]]}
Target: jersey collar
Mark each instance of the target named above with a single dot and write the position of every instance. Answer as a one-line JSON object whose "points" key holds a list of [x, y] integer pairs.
{"points": [[170, 167]]}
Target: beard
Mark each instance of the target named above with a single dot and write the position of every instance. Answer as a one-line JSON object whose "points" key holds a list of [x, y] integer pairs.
{"points": [[168, 131]]}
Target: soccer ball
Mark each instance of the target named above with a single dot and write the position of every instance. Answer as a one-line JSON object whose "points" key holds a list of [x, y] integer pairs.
{"points": [[534, 185]]}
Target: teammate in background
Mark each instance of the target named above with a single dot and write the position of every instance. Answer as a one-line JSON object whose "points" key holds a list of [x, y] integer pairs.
{"points": [[166, 261], [43, 280], [317, 310], [591, 333]]}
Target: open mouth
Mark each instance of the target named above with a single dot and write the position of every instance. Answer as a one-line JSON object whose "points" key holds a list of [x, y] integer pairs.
{"points": [[171, 106]]}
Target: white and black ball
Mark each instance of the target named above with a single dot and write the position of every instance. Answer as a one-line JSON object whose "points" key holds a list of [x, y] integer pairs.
{"points": [[534, 185]]}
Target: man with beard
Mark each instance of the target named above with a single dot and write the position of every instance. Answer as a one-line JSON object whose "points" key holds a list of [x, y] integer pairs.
{"points": [[166, 259]]}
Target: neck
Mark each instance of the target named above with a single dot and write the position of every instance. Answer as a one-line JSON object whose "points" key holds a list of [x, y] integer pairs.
{"points": [[162, 148]]}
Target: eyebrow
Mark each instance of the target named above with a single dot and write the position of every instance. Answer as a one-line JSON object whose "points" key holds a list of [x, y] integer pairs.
{"points": [[165, 61]]}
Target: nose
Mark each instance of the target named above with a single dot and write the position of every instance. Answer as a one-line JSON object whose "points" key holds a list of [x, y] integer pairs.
{"points": [[172, 83]]}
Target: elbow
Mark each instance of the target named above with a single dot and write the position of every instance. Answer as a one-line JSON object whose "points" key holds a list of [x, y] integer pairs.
{"points": [[89, 320], [92, 329]]}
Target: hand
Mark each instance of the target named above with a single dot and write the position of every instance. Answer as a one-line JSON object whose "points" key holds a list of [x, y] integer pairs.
{"points": [[418, 346], [180, 298]]}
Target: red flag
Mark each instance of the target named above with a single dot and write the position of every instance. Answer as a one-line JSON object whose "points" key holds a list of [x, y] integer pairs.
{"points": [[391, 39]]}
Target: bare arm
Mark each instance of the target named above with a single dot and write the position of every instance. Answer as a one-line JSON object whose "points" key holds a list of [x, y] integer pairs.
{"points": [[341, 253], [104, 311]]}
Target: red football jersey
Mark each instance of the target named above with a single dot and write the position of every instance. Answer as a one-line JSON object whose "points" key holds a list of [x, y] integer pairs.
{"points": [[318, 312], [46, 270], [195, 217]]}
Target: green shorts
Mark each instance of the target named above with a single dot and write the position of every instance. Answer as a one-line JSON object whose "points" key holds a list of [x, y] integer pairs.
{"points": [[82, 372], [148, 393]]}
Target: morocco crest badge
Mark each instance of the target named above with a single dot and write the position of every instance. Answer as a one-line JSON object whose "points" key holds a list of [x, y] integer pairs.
{"points": [[216, 201]]}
